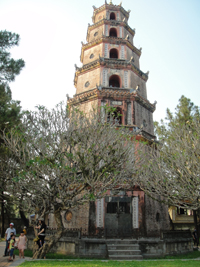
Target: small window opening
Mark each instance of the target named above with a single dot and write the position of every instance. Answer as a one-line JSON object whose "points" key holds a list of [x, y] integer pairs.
{"points": [[113, 53], [114, 81], [112, 16], [157, 216], [113, 32], [181, 211]]}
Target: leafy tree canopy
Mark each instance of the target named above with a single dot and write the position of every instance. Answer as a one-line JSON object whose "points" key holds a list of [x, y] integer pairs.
{"points": [[172, 166], [10, 110], [9, 67], [185, 112]]}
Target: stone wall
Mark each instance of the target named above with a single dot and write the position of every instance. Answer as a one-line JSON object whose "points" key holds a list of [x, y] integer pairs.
{"points": [[156, 217], [170, 244], [78, 218], [142, 114]]}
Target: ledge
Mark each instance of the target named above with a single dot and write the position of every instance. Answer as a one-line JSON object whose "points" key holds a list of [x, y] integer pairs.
{"points": [[110, 39]]}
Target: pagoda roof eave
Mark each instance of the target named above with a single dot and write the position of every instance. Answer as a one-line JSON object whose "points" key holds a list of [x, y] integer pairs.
{"points": [[111, 63], [113, 7], [101, 91], [105, 21], [105, 39]]}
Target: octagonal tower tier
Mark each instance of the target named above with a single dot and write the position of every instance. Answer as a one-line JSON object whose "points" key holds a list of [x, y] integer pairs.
{"points": [[111, 73]]}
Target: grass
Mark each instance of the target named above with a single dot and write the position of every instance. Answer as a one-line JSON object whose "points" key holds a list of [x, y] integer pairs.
{"points": [[191, 255], [29, 253], [99, 263]]}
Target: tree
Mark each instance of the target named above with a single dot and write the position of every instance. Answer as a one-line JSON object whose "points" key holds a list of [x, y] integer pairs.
{"points": [[9, 109], [9, 67], [185, 112], [172, 165], [63, 160]]}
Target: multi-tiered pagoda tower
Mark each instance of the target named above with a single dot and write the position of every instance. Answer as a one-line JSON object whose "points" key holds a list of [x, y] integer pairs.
{"points": [[111, 73]]}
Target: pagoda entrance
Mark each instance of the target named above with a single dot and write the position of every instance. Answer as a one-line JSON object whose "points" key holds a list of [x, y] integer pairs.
{"points": [[118, 217]]}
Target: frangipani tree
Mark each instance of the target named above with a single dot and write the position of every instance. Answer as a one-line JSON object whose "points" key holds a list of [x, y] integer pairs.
{"points": [[62, 159]]}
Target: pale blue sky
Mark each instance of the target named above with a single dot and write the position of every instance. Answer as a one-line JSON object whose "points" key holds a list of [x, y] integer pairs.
{"points": [[52, 30]]}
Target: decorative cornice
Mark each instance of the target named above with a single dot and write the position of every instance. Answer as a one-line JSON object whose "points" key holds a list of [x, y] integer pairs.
{"points": [[100, 92], [112, 22], [145, 103], [110, 7], [110, 63], [109, 39], [85, 96]]}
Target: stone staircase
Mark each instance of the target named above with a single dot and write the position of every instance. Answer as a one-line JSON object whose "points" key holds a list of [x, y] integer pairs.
{"points": [[126, 249]]}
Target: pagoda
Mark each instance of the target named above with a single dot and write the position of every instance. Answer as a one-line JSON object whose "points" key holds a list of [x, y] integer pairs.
{"points": [[110, 73], [126, 224]]}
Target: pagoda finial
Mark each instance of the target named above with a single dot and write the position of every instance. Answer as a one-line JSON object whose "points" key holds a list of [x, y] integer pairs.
{"points": [[94, 7], [120, 4], [110, 2]]}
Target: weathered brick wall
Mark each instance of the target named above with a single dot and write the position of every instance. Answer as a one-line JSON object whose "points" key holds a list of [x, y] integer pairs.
{"points": [[96, 33], [156, 217], [93, 77], [142, 114], [80, 218], [86, 107], [135, 80], [100, 16], [130, 35], [130, 54], [95, 50]]}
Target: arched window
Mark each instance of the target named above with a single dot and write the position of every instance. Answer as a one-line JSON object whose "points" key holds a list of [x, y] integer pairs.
{"points": [[113, 53], [116, 115], [114, 81], [113, 32], [112, 16]]}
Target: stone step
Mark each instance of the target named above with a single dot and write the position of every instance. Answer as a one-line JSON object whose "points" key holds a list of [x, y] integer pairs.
{"points": [[125, 257], [120, 241], [124, 252], [123, 246]]}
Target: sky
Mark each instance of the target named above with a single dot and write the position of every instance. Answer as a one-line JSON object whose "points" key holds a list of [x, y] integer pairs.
{"points": [[51, 33]]}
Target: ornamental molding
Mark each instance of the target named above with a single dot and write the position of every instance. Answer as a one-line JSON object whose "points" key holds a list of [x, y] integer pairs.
{"points": [[83, 97], [107, 92], [111, 63], [110, 7], [110, 22], [111, 40]]}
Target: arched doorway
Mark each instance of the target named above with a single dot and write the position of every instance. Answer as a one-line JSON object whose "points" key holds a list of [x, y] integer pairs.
{"points": [[113, 53], [113, 32], [114, 81], [112, 16]]}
